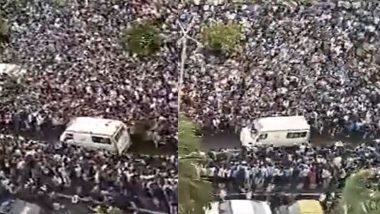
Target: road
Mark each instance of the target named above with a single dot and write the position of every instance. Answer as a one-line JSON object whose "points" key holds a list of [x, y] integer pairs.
{"points": [[139, 146]]}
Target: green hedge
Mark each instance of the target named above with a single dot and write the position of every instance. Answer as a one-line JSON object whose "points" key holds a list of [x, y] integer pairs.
{"points": [[4, 30], [142, 39], [222, 37]]}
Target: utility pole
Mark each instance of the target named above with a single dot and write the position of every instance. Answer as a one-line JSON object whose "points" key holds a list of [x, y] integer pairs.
{"points": [[184, 39]]}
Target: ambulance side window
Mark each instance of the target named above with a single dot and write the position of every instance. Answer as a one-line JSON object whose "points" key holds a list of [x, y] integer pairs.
{"points": [[101, 140], [296, 135], [303, 134]]}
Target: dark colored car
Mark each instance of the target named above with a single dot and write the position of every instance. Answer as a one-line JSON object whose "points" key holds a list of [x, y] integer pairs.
{"points": [[9, 205]]}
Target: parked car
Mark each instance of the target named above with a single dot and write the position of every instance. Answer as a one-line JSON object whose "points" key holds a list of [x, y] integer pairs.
{"points": [[18, 206], [240, 206]]}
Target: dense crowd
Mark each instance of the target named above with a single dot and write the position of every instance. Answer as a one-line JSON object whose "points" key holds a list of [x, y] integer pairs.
{"points": [[76, 64], [316, 59], [39, 170], [302, 169]]}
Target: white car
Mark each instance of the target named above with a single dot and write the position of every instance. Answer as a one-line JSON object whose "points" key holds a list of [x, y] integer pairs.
{"points": [[241, 206]]}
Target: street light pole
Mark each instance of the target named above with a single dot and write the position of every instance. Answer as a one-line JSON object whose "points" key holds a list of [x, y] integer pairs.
{"points": [[184, 38]]}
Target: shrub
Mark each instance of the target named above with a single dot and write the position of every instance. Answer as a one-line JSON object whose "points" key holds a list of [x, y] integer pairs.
{"points": [[222, 37], [364, 48], [142, 39], [59, 3], [4, 30]]}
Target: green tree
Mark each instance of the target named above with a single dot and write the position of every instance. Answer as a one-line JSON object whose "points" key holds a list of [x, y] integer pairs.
{"points": [[114, 210], [142, 39], [365, 51], [109, 210], [361, 193], [100, 210], [222, 37], [4, 30], [195, 194]]}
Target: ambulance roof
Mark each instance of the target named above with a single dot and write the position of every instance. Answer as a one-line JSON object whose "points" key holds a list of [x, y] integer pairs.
{"points": [[94, 125], [281, 123]]}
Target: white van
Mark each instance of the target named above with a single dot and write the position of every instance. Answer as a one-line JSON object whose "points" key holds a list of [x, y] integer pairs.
{"points": [[241, 206], [276, 131], [97, 133]]}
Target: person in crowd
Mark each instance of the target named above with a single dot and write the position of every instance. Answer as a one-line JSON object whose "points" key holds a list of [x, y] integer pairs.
{"points": [[41, 169], [312, 59], [263, 170], [76, 65]]}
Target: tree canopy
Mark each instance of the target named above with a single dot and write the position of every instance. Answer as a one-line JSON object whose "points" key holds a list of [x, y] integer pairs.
{"points": [[222, 37], [361, 193], [142, 39], [4, 30], [195, 194], [109, 210]]}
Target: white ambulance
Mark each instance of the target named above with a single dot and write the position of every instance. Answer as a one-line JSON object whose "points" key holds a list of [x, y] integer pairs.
{"points": [[276, 131], [97, 133], [241, 206]]}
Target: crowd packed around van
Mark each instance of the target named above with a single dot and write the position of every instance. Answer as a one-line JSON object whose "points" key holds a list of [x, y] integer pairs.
{"points": [[98, 134], [293, 170], [312, 58], [40, 171]]}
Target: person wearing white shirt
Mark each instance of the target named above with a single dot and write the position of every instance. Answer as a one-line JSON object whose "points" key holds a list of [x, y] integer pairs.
{"points": [[302, 148], [222, 194], [221, 172], [326, 176], [338, 162], [264, 171], [212, 171]]}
